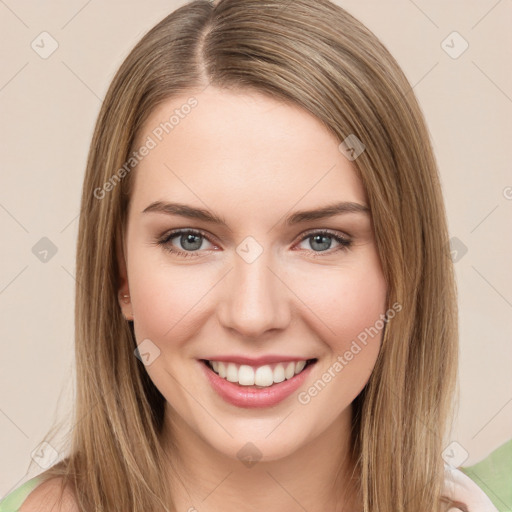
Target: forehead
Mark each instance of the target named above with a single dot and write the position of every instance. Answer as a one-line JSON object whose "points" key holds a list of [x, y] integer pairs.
{"points": [[236, 146]]}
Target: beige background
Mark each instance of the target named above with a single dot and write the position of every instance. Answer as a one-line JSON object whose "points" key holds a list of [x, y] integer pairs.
{"points": [[49, 107]]}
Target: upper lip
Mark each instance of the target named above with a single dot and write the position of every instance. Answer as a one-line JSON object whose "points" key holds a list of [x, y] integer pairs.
{"points": [[257, 361]]}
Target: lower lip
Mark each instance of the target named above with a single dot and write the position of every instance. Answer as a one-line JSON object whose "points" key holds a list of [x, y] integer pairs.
{"points": [[250, 396]]}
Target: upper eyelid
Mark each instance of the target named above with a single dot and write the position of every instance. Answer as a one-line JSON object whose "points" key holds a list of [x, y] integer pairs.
{"points": [[168, 235], [328, 231]]}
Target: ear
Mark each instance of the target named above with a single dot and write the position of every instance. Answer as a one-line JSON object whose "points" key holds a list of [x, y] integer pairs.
{"points": [[123, 292]]}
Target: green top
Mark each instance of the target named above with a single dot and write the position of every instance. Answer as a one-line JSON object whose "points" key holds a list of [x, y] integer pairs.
{"points": [[13, 501], [493, 475]]}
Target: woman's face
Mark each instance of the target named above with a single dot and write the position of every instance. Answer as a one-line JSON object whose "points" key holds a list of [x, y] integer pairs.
{"points": [[245, 280]]}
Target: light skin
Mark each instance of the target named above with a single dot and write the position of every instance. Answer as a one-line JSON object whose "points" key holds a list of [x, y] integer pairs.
{"points": [[252, 161]]}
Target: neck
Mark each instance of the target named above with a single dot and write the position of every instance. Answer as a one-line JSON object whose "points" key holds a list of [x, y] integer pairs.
{"points": [[316, 477]]}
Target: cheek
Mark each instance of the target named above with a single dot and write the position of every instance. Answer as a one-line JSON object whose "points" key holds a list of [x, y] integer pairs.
{"points": [[166, 298], [348, 305], [358, 309], [344, 301]]}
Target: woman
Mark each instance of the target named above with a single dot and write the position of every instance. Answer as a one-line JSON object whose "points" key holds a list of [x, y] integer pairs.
{"points": [[265, 297]]}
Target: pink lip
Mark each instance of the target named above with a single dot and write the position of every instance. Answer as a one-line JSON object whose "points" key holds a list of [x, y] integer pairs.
{"points": [[251, 396], [257, 361]]}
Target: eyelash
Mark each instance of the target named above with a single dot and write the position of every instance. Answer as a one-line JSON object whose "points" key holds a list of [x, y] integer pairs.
{"points": [[164, 241]]}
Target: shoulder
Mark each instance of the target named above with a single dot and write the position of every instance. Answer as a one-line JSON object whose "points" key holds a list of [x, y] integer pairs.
{"points": [[49, 497], [485, 486], [12, 501], [464, 491], [493, 475]]}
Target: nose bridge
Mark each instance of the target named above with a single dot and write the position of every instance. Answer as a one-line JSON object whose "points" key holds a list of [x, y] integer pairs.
{"points": [[255, 299]]}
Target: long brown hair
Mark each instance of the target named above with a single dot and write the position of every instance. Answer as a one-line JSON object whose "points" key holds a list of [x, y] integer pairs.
{"points": [[314, 54]]}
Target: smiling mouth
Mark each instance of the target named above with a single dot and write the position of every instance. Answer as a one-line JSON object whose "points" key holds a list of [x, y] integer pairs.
{"points": [[258, 376]]}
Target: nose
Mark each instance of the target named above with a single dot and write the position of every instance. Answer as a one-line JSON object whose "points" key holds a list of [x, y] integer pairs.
{"points": [[255, 298]]}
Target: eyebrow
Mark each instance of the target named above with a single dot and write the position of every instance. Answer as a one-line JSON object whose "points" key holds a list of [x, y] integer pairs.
{"points": [[324, 212]]}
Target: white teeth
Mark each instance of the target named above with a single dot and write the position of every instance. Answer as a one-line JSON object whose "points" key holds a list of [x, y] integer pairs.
{"points": [[279, 373], [232, 373], [246, 375], [289, 372], [299, 366], [262, 376]]}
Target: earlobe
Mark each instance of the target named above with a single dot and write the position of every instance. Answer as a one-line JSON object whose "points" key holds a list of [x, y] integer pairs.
{"points": [[124, 301], [123, 291]]}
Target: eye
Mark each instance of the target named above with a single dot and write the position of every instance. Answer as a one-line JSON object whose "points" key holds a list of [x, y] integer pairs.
{"points": [[188, 239], [190, 242], [321, 241]]}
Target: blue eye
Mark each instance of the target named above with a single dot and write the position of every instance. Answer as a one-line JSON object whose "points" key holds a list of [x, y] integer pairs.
{"points": [[321, 240], [191, 241]]}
